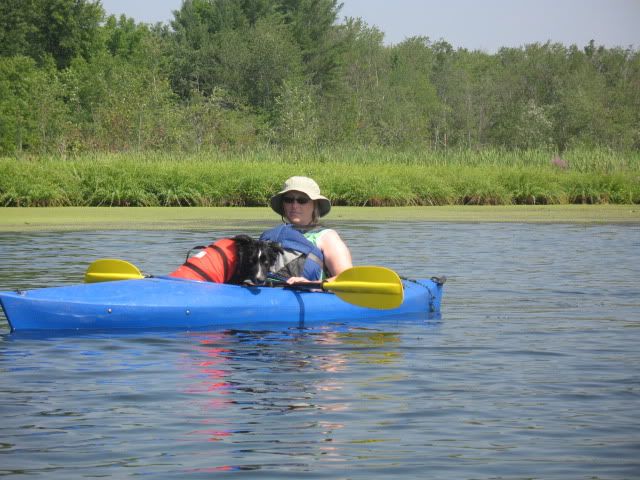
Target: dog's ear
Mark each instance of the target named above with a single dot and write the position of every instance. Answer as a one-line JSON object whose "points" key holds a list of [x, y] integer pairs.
{"points": [[243, 239], [273, 251], [276, 247]]}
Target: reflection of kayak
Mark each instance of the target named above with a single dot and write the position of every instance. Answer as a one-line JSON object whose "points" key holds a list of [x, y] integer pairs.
{"points": [[163, 302]]}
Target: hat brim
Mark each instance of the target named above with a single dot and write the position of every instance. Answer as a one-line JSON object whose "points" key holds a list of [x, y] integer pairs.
{"points": [[324, 204]]}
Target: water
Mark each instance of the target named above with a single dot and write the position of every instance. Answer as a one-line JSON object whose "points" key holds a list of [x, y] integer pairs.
{"points": [[531, 372]]}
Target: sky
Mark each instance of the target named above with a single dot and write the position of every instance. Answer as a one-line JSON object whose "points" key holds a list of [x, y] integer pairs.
{"points": [[484, 25]]}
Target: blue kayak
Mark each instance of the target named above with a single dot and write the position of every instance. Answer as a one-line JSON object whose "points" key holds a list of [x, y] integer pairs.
{"points": [[171, 303]]}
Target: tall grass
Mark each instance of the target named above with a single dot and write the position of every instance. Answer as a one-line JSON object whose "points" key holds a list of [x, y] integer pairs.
{"points": [[365, 177]]}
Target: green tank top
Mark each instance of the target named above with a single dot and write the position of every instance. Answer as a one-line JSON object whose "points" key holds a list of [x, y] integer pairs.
{"points": [[314, 235]]}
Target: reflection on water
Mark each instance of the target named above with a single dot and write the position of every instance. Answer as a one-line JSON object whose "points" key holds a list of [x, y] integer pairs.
{"points": [[530, 373], [259, 393]]}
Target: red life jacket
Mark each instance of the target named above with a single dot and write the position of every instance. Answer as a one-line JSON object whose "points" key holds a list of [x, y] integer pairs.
{"points": [[215, 263]]}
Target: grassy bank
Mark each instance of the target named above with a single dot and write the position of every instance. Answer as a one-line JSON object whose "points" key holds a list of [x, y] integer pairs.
{"points": [[371, 177], [210, 218]]}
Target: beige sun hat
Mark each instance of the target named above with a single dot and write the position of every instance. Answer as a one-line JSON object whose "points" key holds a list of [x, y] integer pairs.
{"points": [[304, 185]]}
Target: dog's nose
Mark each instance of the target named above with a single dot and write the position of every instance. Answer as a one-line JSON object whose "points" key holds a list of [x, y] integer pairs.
{"points": [[259, 277]]}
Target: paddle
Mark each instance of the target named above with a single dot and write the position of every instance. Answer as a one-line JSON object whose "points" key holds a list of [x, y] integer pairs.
{"points": [[372, 287], [109, 269]]}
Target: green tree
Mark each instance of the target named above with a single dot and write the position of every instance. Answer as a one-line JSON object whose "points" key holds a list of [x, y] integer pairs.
{"points": [[125, 38], [254, 62], [203, 53], [242, 47], [33, 114], [411, 100], [618, 92], [295, 115], [347, 112], [63, 29], [209, 122], [312, 23], [121, 105], [442, 77], [197, 19], [17, 27], [195, 46]]}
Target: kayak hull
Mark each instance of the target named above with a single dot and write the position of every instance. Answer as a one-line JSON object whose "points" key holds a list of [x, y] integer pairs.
{"points": [[170, 303]]}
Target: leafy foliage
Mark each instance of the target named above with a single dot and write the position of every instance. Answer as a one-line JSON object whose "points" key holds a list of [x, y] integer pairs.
{"points": [[63, 29], [242, 73]]}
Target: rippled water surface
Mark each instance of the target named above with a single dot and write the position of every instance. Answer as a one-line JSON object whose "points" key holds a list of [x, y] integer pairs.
{"points": [[532, 371]]}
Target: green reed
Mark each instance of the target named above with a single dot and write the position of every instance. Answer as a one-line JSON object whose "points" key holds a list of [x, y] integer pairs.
{"points": [[359, 177]]}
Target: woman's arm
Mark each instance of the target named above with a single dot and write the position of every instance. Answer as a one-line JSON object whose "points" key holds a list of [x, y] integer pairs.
{"points": [[337, 257]]}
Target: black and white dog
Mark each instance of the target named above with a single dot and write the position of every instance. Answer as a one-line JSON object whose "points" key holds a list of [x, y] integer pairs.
{"points": [[240, 259], [255, 259]]}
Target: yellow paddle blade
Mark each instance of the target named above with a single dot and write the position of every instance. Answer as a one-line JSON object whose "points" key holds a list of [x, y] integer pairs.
{"points": [[109, 269], [372, 287]]}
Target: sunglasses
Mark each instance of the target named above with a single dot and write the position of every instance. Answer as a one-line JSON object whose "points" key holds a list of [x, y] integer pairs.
{"points": [[299, 200]]}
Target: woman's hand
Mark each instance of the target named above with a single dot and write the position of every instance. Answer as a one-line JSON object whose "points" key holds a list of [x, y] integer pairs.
{"points": [[293, 280]]}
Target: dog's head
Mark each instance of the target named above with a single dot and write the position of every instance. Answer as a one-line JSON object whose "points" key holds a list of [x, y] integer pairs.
{"points": [[255, 258]]}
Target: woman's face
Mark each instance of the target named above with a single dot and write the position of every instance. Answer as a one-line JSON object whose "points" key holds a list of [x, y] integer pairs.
{"points": [[298, 208]]}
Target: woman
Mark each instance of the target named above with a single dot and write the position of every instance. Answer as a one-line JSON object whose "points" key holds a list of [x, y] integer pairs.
{"points": [[312, 252]]}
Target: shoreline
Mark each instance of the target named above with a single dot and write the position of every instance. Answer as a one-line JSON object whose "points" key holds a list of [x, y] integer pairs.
{"points": [[29, 219]]}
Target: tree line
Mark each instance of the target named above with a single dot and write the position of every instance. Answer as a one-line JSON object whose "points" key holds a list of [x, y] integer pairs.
{"points": [[292, 73]]}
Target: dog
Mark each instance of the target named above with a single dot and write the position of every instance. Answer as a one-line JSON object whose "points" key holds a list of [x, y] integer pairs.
{"points": [[236, 260]]}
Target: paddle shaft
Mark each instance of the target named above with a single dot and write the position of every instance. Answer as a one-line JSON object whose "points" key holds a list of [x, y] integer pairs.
{"points": [[367, 286], [380, 288]]}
